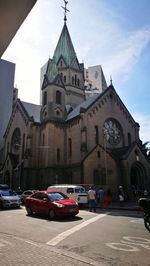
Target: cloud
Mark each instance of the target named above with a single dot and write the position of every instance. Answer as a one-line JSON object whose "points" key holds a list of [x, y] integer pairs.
{"points": [[128, 52]]}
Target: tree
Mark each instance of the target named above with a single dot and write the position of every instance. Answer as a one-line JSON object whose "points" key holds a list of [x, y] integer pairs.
{"points": [[146, 148]]}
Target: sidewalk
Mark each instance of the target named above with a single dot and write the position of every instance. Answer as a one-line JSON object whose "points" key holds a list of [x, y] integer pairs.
{"points": [[16, 251], [127, 205]]}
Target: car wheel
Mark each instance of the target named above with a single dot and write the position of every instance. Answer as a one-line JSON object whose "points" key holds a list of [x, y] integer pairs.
{"points": [[51, 214], [147, 222], [29, 211]]}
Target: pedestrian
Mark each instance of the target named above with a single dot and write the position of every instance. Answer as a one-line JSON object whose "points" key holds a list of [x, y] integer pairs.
{"points": [[100, 196], [121, 196], [107, 198], [145, 193], [134, 193], [92, 199]]}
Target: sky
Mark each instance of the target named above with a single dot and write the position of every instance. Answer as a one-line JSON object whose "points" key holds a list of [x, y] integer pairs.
{"points": [[112, 33]]}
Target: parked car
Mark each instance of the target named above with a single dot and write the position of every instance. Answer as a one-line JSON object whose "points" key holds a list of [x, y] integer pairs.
{"points": [[51, 203], [8, 198], [4, 187], [25, 194], [76, 192]]}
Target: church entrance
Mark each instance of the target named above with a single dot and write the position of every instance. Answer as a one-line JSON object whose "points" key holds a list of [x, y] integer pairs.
{"points": [[138, 178]]}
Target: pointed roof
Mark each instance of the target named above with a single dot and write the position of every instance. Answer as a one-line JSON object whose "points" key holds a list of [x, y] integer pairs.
{"points": [[33, 110], [65, 49]]}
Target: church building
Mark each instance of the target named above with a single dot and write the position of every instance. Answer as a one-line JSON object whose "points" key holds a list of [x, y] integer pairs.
{"points": [[73, 139]]}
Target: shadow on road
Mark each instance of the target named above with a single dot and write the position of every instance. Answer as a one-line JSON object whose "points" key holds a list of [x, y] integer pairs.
{"points": [[58, 219]]}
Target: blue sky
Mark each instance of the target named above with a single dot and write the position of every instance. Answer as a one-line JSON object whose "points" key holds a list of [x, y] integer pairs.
{"points": [[111, 33]]}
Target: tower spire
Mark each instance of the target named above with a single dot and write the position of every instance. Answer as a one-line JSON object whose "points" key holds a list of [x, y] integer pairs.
{"points": [[66, 10]]}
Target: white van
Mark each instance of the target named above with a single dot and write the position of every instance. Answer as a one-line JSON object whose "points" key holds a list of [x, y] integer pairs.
{"points": [[76, 192]]}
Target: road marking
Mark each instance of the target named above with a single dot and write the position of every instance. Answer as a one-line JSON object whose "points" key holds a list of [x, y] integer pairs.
{"points": [[129, 243], [122, 246], [54, 241], [137, 221]]}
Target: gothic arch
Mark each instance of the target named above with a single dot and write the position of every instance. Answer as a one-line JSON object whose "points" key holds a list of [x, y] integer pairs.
{"points": [[138, 177]]}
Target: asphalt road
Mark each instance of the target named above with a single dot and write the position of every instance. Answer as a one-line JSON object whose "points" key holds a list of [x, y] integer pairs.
{"points": [[114, 237]]}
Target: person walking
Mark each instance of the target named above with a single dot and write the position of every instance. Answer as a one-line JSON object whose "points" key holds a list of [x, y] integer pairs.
{"points": [[100, 196], [121, 196], [92, 199], [145, 193]]}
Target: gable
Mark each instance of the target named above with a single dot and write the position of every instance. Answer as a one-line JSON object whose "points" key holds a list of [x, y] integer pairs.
{"points": [[75, 64], [18, 117]]}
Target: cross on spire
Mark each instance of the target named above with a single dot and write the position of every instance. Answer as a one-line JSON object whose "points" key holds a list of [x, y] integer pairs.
{"points": [[110, 80], [66, 10]]}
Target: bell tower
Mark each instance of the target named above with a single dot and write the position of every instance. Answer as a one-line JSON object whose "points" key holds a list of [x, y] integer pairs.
{"points": [[63, 83]]}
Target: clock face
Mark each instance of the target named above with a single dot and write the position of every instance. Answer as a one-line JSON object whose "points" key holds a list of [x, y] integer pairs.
{"points": [[112, 131]]}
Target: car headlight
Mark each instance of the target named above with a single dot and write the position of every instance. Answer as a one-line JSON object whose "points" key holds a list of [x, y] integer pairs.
{"points": [[59, 205]]}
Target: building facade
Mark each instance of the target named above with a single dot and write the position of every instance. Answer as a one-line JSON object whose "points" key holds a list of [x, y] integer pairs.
{"points": [[71, 139], [95, 82]]}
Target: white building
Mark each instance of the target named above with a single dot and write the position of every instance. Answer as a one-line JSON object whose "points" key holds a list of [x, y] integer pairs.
{"points": [[95, 82], [7, 72]]}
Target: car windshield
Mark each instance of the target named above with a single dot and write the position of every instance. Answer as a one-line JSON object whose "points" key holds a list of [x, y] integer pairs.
{"points": [[56, 196], [8, 193]]}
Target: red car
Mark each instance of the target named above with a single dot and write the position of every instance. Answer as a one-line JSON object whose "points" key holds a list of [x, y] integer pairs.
{"points": [[52, 203]]}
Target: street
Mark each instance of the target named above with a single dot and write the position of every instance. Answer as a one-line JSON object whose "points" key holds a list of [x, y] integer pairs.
{"points": [[112, 237]]}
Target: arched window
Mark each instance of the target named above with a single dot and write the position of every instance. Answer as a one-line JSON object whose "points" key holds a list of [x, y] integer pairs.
{"points": [[78, 82], [45, 98], [64, 79], [75, 79], [72, 80], [61, 74], [69, 147], [129, 139], [16, 140], [58, 97], [96, 135], [43, 139]]}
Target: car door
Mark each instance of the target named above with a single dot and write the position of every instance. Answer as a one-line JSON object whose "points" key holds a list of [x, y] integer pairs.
{"points": [[40, 203], [35, 202]]}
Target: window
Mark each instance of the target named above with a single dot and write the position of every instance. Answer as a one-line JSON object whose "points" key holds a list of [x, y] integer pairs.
{"points": [[75, 79], [78, 82], [69, 147], [64, 79], [43, 139], [96, 135], [16, 139], [45, 98], [58, 97], [72, 80], [70, 190], [129, 139], [137, 155], [98, 154]]}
